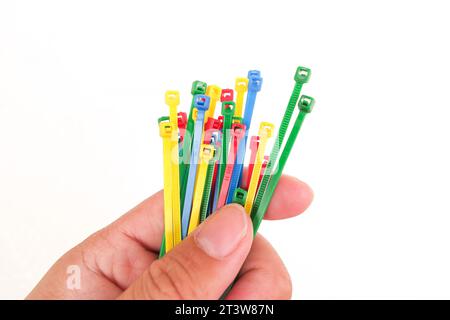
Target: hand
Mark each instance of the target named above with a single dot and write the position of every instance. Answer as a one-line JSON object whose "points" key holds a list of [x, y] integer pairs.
{"points": [[121, 260]]}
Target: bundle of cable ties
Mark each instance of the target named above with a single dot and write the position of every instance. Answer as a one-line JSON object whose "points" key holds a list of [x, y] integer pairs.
{"points": [[204, 153]]}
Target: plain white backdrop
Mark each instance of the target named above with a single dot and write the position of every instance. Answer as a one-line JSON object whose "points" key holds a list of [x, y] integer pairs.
{"points": [[82, 84]]}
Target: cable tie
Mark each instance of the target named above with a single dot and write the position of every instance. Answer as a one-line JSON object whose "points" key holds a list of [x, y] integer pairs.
{"points": [[166, 132], [214, 93], [209, 180], [265, 132], [305, 105], [254, 86], [206, 155], [227, 95], [254, 143], [237, 133], [239, 196], [173, 100], [301, 76], [201, 103], [241, 86]]}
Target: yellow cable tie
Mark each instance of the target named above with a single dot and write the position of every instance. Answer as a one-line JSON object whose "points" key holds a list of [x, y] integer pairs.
{"points": [[173, 100], [265, 132], [166, 131], [241, 87], [214, 93], [206, 155]]}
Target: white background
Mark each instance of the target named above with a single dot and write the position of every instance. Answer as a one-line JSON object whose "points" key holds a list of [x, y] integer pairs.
{"points": [[82, 84]]}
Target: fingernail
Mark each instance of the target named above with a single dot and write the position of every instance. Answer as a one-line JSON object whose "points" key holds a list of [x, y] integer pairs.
{"points": [[220, 235]]}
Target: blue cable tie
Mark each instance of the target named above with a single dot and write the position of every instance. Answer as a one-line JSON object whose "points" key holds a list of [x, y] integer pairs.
{"points": [[254, 86], [202, 104]]}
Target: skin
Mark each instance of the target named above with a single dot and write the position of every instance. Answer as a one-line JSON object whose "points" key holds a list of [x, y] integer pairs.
{"points": [[121, 261]]}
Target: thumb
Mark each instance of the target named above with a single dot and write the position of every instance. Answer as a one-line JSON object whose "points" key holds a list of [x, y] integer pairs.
{"points": [[203, 265]]}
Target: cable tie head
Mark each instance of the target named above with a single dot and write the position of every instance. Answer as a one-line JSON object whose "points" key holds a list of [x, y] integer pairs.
{"points": [[254, 80], [254, 73], [210, 124], [163, 118], [302, 75], [213, 124], [241, 84], [266, 129], [237, 119], [239, 197], [227, 95], [228, 108], [198, 87], [201, 102], [208, 152], [214, 92], [172, 98], [306, 104], [165, 129], [238, 130]]}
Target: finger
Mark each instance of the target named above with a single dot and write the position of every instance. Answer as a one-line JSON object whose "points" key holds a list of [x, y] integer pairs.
{"points": [[290, 198], [144, 223], [203, 265], [263, 275]]}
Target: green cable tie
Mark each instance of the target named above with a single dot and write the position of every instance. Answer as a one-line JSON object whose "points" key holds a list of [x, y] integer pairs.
{"points": [[163, 118], [305, 105], [239, 197], [227, 113], [207, 191], [301, 77]]}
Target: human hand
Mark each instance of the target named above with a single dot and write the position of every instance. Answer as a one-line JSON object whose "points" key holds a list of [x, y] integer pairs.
{"points": [[121, 260]]}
